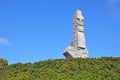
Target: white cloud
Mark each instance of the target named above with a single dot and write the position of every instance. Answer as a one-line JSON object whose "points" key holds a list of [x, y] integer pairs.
{"points": [[4, 41]]}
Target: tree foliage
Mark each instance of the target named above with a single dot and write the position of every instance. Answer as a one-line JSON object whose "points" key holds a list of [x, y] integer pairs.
{"points": [[3, 62], [105, 68]]}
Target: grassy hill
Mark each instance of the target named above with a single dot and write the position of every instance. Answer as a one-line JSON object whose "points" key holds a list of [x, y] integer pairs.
{"points": [[106, 68]]}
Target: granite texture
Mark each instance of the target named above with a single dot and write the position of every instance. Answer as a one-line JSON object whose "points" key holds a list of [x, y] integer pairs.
{"points": [[77, 47]]}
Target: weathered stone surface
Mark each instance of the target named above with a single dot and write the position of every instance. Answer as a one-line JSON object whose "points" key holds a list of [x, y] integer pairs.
{"points": [[77, 47]]}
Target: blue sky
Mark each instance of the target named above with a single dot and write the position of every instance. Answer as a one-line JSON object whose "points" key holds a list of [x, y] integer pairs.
{"points": [[34, 30]]}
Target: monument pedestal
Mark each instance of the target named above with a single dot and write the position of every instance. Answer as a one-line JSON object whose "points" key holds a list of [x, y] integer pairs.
{"points": [[71, 52]]}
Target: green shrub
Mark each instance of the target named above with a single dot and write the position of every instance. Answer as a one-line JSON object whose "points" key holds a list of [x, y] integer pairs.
{"points": [[3, 62], [105, 68]]}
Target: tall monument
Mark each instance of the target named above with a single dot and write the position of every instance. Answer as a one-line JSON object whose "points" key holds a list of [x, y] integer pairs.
{"points": [[77, 47]]}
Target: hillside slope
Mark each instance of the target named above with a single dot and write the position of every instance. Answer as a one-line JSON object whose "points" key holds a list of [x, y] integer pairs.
{"points": [[64, 69]]}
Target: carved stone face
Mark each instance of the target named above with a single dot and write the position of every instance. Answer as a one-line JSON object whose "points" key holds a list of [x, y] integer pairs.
{"points": [[80, 24]]}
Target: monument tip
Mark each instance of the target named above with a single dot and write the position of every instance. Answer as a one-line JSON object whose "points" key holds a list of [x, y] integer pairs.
{"points": [[78, 12]]}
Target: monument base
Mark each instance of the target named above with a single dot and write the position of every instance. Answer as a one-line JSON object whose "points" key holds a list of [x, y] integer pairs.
{"points": [[72, 52]]}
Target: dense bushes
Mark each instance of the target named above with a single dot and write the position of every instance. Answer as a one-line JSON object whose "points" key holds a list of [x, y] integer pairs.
{"points": [[3, 62], [106, 68]]}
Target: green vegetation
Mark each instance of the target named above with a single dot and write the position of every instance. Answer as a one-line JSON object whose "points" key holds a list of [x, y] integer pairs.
{"points": [[3, 62], [106, 68]]}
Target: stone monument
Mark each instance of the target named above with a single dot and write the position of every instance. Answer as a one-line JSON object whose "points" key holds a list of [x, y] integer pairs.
{"points": [[77, 47]]}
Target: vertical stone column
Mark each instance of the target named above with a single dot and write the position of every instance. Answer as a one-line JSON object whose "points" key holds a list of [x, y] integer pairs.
{"points": [[77, 46]]}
